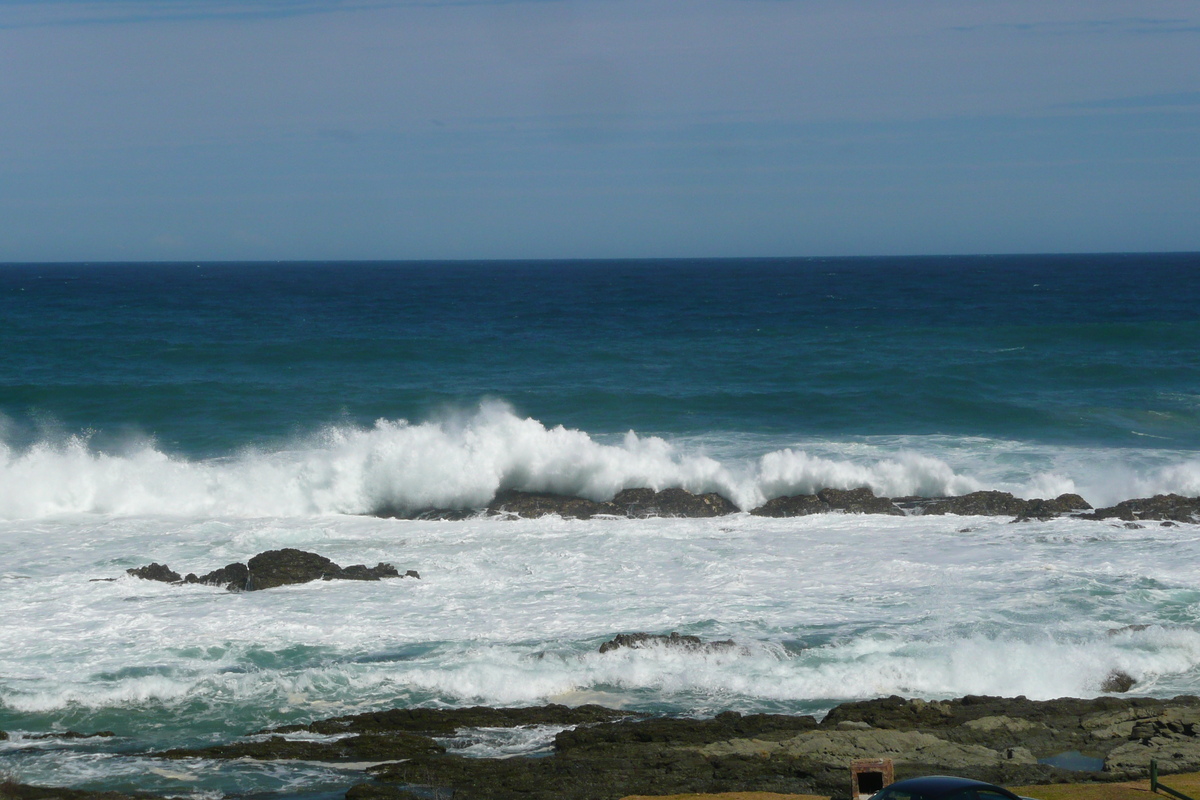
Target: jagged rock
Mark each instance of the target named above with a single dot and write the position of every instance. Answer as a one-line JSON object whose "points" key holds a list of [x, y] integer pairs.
{"points": [[274, 568], [288, 566], [155, 572], [233, 577], [1173, 507], [1117, 681], [850, 501], [637, 641]]}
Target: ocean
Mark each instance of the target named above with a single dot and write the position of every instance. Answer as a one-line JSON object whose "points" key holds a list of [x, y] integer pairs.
{"points": [[197, 414]]}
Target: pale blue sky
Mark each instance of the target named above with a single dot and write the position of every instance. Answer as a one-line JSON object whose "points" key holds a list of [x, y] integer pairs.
{"points": [[392, 129]]}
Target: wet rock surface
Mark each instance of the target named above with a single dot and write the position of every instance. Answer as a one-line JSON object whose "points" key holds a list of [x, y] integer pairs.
{"points": [[155, 572], [849, 501], [642, 503], [607, 754], [636, 503], [1171, 507], [274, 568], [999, 504]]}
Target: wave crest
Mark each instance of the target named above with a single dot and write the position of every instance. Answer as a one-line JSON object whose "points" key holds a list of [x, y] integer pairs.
{"points": [[462, 460]]}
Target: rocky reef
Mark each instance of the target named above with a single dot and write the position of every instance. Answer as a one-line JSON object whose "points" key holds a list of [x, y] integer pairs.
{"points": [[642, 503], [271, 569], [606, 754], [852, 501]]}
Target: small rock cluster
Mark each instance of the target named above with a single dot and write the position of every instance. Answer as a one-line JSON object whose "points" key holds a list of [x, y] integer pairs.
{"points": [[271, 569]]}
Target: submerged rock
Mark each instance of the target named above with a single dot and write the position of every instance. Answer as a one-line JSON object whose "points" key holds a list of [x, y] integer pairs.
{"points": [[636, 641], [849, 501], [70, 735], [274, 568]]}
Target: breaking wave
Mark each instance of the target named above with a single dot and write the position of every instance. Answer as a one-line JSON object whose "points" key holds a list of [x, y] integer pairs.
{"points": [[462, 460]]}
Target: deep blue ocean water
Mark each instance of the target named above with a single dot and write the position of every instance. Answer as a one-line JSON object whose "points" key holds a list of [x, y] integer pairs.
{"points": [[209, 358]]}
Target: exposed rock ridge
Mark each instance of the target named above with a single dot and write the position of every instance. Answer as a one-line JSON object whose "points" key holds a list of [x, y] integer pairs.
{"points": [[641, 503]]}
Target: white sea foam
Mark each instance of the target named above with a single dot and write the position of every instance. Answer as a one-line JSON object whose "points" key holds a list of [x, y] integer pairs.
{"points": [[461, 461]]}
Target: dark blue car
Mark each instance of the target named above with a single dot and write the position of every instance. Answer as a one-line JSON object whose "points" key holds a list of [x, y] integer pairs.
{"points": [[944, 787]]}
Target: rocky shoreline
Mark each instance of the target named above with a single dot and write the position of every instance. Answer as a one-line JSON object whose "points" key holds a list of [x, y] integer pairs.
{"points": [[598, 753], [643, 503]]}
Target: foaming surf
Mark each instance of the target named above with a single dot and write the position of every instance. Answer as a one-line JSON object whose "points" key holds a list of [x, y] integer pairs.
{"points": [[461, 460]]}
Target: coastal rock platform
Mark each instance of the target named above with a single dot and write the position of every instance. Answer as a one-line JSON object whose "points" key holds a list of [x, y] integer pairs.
{"points": [[608, 754]]}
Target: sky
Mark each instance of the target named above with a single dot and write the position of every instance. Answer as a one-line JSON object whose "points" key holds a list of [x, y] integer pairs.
{"points": [[513, 129]]}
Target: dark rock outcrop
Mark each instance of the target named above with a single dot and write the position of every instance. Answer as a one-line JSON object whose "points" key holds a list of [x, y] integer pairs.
{"points": [[274, 568], [642, 503], [155, 572], [1002, 504], [978, 504], [849, 501], [637, 503], [1049, 509], [234, 577], [1117, 682], [636, 641], [1173, 507], [798, 505]]}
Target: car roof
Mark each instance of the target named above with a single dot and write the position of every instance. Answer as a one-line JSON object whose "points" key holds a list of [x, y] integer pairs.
{"points": [[942, 785]]}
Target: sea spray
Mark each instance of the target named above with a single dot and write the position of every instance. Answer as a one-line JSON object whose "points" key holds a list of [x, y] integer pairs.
{"points": [[461, 460]]}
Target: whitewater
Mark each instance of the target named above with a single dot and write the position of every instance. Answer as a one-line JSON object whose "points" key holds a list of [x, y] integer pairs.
{"points": [[460, 460], [196, 415]]}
